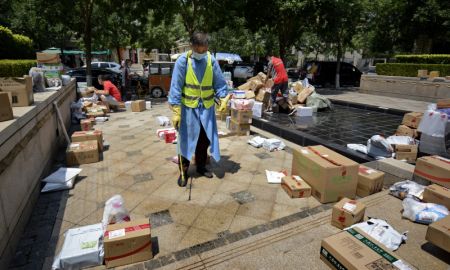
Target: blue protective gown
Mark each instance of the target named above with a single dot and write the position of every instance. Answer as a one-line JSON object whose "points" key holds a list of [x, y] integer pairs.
{"points": [[192, 118]]}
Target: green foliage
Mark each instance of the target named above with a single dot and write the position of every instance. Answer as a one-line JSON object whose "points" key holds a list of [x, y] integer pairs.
{"points": [[15, 46], [423, 58], [410, 70], [15, 68]]}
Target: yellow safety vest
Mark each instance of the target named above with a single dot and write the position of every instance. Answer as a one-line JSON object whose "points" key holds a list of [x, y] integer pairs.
{"points": [[193, 91]]}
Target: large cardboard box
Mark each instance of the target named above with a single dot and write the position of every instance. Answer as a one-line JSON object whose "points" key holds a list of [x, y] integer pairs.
{"points": [[435, 169], [241, 116], [263, 96], [138, 106], [255, 85], [347, 212], [127, 243], [304, 94], [438, 233], [443, 103], [87, 124], [330, 175], [82, 153], [370, 181], [82, 136], [353, 249], [21, 90], [239, 129], [437, 194], [245, 86], [295, 186], [412, 119], [406, 152], [6, 112], [48, 58], [403, 130]]}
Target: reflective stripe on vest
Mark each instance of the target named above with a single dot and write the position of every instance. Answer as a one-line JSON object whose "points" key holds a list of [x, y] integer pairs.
{"points": [[193, 91]]}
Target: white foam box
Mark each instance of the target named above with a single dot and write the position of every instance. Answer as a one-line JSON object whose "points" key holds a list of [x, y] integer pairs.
{"points": [[304, 111], [148, 105], [258, 109]]}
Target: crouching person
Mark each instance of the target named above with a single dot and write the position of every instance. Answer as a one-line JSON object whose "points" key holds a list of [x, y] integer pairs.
{"points": [[110, 95]]}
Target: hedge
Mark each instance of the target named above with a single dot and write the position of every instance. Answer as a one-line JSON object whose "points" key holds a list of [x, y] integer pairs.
{"points": [[14, 46], [423, 58], [15, 68], [410, 70]]}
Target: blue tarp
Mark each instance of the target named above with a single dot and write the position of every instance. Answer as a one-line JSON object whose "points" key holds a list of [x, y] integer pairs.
{"points": [[228, 56]]}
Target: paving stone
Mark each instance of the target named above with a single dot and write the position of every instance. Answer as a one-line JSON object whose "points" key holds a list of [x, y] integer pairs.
{"points": [[160, 218], [263, 155], [142, 177], [134, 153], [128, 137], [124, 126], [243, 197]]}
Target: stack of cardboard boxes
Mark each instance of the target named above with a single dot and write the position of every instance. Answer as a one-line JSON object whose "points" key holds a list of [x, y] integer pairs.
{"points": [[20, 90], [257, 88], [85, 148], [408, 128], [240, 122]]}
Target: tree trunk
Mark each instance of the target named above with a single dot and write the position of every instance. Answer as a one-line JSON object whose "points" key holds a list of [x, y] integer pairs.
{"points": [[118, 55], [88, 41], [338, 67]]}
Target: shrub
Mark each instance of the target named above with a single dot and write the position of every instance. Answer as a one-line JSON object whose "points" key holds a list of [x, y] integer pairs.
{"points": [[14, 46], [410, 70], [15, 68], [424, 58]]}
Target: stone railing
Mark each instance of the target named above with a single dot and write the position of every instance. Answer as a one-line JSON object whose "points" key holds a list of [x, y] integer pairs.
{"points": [[405, 87], [28, 145]]}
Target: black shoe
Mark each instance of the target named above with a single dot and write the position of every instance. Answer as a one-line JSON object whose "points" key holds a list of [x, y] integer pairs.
{"points": [[183, 182], [205, 172]]}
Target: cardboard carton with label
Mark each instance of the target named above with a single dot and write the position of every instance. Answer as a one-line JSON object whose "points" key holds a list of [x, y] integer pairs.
{"points": [[437, 194], [347, 212], [370, 181], [412, 119], [295, 187], [138, 106], [438, 233], [241, 116], [82, 136], [82, 153], [21, 90], [330, 175], [127, 243], [435, 169], [6, 112], [406, 152]]}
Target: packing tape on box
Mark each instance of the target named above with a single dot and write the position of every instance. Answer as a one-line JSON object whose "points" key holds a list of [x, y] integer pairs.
{"points": [[132, 229], [344, 170]]}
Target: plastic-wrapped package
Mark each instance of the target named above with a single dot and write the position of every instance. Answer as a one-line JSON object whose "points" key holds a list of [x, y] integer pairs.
{"points": [[257, 141], [406, 189], [378, 146], [433, 123], [242, 104], [400, 140], [273, 144], [115, 211], [381, 231], [62, 179], [358, 147], [163, 121], [425, 213]]}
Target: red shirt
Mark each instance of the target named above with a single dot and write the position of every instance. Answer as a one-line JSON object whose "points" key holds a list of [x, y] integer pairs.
{"points": [[279, 70], [112, 90]]}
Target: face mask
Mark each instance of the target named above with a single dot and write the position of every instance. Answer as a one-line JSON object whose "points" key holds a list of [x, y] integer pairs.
{"points": [[198, 56]]}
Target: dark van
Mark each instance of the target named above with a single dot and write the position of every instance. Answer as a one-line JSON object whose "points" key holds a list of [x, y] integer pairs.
{"points": [[322, 73]]}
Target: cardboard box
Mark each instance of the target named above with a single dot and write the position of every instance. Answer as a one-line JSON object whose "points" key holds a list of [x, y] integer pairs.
{"points": [[255, 85], [437, 194], [434, 74], [412, 119], [82, 152], [443, 103], [82, 136], [347, 212], [435, 169], [330, 175], [249, 95], [127, 243], [370, 181], [6, 112], [438, 233], [263, 96], [353, 249], [239, 129], [48, 58], [406, 152], [138, 106], [304, 94], [21, 90], [241, 116], [86, 124], [295, 187], [403, 130], [422, 73], [246, 86]]}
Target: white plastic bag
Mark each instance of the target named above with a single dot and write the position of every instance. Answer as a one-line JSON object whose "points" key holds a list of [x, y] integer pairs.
{"points": [[256, 141], [358, 147], [406, 189], [433, 123], [242, 104], [382, 232], [378, 146], [115, 211], [62, 179], [403, 140], [163, 121], [273, 144], [425, 213], [275, 177]]}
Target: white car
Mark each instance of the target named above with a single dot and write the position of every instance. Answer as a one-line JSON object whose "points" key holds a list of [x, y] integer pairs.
{"points": [[108, 65]]}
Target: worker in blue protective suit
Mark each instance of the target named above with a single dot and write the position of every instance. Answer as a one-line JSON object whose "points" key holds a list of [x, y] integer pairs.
{"points": [[196, 82]]}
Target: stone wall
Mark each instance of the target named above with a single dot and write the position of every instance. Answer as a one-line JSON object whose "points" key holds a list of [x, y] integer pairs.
{"points": [[404, 87], [28, 145]]}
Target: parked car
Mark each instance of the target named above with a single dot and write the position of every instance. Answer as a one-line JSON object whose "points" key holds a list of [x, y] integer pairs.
{"points": [[293, 73], [160, 75], [240, 72], [108, 65], [137, 69], [80, 75], [322, 73]]}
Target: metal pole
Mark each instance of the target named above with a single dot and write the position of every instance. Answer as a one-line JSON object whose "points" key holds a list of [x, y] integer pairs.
{"points": [[61, 122]]}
